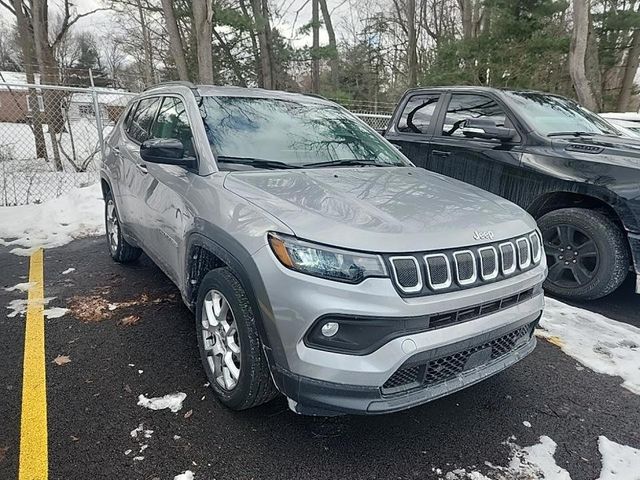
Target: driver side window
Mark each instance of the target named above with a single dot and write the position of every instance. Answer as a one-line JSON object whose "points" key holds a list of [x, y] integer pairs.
{"points": [[464, 106], [172, 122]]}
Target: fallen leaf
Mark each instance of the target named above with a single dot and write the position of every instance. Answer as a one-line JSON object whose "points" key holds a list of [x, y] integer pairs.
{"points": [[62, 359], [129, 320], [188, 414]]}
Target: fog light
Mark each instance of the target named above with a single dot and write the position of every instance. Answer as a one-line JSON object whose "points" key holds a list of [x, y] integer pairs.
{"points": [[329, 329]]}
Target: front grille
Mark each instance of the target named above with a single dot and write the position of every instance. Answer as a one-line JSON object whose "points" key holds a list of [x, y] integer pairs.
{"points": [[447, 367], [438, 271], [456, 269], [524, 256]]}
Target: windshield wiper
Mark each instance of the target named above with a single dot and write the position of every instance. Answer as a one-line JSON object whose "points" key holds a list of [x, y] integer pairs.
{"points": [[571, 134], [348, 162], [255, 162]]}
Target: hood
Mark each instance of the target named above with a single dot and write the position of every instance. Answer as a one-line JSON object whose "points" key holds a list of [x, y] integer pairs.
{"points": [[620, 151], [380, 209]]}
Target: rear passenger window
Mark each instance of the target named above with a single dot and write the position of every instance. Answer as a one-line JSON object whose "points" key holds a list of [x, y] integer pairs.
{"points": [[463, 106], [418, 113], [142, 118]]}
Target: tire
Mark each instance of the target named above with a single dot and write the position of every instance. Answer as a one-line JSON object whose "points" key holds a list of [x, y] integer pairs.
{"points": [[586, 252], [253, 385], [119, 249]]}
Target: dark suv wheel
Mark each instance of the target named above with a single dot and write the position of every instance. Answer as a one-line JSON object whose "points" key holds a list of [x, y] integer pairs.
{"points": [[586, 253]]}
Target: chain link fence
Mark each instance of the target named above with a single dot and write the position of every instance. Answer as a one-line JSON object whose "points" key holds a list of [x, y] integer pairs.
{"points": [[51, 137]]}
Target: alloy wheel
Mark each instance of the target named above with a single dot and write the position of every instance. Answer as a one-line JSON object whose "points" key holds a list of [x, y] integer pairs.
{"points": [[572, 256], [221, 340], [113, 227]]}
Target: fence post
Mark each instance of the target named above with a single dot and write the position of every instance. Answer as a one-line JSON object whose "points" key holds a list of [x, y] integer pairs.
{"points": [[98, 114]]}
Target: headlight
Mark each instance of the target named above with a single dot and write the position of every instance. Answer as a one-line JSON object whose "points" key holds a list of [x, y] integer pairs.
{"points": [[325, 262]]}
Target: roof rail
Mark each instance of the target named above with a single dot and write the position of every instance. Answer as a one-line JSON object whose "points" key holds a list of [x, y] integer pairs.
{"points": [[315, 95], [182, 83]]}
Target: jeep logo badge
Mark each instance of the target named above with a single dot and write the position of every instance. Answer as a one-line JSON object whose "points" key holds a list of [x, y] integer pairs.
{"points": [[488, 235]]}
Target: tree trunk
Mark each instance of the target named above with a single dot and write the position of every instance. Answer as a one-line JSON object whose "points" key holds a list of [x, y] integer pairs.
{"points": [[203, 19], [261, 16], [466, 13], [26, 45], [412, 55], [146, 40], [46, 64], [630, 70], [577, 53], [315, 48], [254, 43], [328, 24], [175, 42]]}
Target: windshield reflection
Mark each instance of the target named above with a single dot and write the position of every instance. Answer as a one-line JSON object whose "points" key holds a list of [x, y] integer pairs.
{"points": [[262, 132], [550, 114]]}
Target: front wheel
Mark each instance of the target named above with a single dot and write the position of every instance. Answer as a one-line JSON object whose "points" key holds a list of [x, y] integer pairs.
{"points": [[587, 254], [230, 348]]}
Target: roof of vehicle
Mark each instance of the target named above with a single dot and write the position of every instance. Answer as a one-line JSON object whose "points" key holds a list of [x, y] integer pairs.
{"points": [[479, 88], [229, 91], [626, 116]]}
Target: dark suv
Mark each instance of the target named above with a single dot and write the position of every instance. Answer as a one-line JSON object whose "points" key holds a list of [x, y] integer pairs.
{"points": [[566, 166]]}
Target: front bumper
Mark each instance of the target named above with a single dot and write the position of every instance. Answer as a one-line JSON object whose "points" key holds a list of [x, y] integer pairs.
{"points": [[324, 382], [313, 397]]}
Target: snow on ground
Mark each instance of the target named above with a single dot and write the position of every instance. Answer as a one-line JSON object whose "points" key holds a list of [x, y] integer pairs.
{"points": [[21, 287], [619, 462], [172, 401], [188, 475], [68, 271], [599, 343], [528, 463], [56, 222]]}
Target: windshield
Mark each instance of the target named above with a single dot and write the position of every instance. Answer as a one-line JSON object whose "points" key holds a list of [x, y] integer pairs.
{"points": [[274, 133], [549, 114]]}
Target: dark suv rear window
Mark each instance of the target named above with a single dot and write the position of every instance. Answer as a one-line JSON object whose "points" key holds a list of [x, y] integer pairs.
{"points": [[418, 113]]}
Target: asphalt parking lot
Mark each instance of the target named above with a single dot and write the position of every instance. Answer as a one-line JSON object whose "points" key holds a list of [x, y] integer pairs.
{"points": [[127, 333]]}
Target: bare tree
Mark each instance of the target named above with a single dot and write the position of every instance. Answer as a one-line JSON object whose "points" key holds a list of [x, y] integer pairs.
{"points": [[263, 27], [315, 54], [175, 41], [630, 70], [412, 54], [203, 19], [328, 25], [577, 55]]}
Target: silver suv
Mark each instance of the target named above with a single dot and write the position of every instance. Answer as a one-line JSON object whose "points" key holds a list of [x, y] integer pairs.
{"points": [[318, 260]]}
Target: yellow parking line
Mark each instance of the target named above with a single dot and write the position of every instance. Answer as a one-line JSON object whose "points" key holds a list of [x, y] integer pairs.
{"points": [[34, 462]]}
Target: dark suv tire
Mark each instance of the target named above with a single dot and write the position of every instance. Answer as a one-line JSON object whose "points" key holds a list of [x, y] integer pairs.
{"points": [[230, 347], [121, 250], [586, 253]]}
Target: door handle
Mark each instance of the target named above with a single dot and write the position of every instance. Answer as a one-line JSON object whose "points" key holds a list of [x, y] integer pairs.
{"points": [[440, 153], [142, 167]]}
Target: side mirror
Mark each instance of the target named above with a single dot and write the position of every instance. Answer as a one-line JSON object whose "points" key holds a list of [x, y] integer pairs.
{"points": [[167, 151], [487, 129]]}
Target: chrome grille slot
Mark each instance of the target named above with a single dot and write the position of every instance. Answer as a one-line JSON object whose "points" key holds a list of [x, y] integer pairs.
{"points": [[465, 263], [406, 272], [488, 263], [524, 252], [536, 248], [508, 258], [438, 271]]}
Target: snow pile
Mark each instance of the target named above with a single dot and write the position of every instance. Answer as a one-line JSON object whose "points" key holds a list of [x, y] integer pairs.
{"points": [[619, 462], [21, 287], [19, 307], [599, 343], [188, 475], [77, 213], [172, 401]]}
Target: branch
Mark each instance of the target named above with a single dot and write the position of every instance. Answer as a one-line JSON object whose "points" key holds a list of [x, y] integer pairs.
{"points": [[8, 7], [67, 24]]}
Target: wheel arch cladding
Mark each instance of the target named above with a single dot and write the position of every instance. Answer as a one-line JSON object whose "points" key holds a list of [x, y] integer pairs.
{"points": [[204, 254], [551, 201]]}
